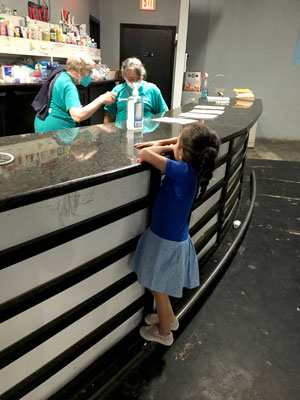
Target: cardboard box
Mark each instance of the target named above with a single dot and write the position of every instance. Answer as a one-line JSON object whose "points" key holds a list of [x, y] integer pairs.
{"points": [[192, 81]]}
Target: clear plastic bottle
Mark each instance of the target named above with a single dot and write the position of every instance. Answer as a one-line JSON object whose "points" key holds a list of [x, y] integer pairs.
{"points": [[52, 33], [135, 110], [10, 29], [204, 89]]}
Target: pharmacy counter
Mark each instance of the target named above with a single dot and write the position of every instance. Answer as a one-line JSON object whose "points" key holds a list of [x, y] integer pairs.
{"points": [[73, 204]]}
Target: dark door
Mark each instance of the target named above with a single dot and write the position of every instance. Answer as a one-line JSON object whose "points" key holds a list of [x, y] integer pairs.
{"points": [[154, 45], [96, 90], [95, 30]]}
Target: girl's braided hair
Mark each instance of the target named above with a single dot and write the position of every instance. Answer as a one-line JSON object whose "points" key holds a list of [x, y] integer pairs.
{"points": [[200, 147]]}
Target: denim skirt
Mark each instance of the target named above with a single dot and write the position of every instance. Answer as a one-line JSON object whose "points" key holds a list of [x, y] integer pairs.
{"points": [[165, 266]]}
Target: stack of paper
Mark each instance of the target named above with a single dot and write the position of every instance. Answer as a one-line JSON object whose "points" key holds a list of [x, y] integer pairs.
{"points": [[244, 98], [244, 94], [218, 99]]}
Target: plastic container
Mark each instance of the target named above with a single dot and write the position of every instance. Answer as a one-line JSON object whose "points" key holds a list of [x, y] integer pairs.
{"points": [[3, 31], [204, 89], [10, 29], [57, 34], [46, 34], [135, 110], [52, 33]]}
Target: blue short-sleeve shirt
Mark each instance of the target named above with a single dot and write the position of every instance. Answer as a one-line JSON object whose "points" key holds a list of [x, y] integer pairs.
{"points": [[154, 102], [171, 210]]}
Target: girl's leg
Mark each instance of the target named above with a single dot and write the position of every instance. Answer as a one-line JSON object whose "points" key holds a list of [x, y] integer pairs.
{"points": [[164, 311]]}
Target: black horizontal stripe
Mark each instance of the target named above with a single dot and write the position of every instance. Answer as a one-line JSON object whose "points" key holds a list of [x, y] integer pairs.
{"points": [[229, 222], [206, 237], [230, 204], [29, 342], [206, 217], [33, 247], [209, 193], [236, 182], [69, 355], [235, 164], [43, 292], [221, 160]]}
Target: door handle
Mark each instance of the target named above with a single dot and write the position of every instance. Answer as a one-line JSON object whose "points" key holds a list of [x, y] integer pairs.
{"points": [[148, 54]]}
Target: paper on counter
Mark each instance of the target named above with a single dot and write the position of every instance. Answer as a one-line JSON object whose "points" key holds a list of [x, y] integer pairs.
{"points": [[172, 120], [197, 116], [211, 107], [196, 110], [218, 98]]}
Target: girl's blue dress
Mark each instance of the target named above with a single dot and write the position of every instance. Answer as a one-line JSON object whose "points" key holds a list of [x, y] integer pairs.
{"points": [[165, 259]]}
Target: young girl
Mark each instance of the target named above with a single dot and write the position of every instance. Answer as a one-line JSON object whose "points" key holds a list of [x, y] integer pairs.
{"points": [[165, 260]]}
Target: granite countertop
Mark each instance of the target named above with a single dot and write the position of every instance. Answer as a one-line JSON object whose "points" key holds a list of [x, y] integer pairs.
{"points": [[53, 163]]}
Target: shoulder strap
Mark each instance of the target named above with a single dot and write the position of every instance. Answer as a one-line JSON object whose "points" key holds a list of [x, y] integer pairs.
{"points": [[127, 90], [42, 114]]}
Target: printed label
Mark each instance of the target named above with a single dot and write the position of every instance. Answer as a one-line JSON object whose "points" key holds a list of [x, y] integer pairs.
{"points": [[138, 114]]}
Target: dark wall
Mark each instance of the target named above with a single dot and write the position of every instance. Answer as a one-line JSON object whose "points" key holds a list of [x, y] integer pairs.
{"points": [[17, 115]]}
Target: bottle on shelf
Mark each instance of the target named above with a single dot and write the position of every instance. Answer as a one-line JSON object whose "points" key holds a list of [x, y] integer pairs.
{"points": [[135, 110], [57, 33], [204, 88], [3, 31], [10, 29], [52, 33], [46, 34]]}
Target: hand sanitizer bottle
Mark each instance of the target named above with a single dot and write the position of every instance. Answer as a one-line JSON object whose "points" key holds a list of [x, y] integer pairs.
{"points": [[135, 110]]}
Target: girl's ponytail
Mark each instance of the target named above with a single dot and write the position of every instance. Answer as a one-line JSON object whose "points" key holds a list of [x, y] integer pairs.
{"points": [[200, 146], [207, 167]]}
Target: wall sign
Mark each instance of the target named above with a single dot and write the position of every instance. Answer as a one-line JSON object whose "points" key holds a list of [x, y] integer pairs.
{"points": [[149, 5]]}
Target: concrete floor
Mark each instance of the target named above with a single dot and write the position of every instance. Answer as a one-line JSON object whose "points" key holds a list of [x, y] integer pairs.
{"points": [[271, 149]]}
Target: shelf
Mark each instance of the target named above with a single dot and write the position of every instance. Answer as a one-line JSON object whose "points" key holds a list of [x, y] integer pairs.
{"points": [[41, 48]]}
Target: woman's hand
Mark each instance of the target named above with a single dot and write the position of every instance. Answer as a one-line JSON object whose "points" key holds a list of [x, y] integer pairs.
{"points": [[107, 98]]}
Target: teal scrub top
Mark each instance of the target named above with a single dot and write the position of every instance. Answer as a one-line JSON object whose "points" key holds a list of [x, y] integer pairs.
{"points": [[64, 96], [154, 103]]}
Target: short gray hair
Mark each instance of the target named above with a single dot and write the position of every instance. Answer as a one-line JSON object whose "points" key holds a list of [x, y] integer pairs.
{"points": [[133, 64]]}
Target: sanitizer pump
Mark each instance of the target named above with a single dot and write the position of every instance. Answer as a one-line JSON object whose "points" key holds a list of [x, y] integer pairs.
{"points": [[135, 110]]}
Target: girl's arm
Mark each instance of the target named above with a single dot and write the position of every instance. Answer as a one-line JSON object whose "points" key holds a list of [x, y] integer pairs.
{"points": [[165, 142], [153, 156]]}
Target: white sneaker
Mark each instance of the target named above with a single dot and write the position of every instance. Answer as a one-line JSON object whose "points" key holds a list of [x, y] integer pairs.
{"points": [[151, 333], [152, 319]]}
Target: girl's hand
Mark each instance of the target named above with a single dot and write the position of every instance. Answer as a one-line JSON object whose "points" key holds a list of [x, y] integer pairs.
{"points": [[141, 145], [153, 156]]}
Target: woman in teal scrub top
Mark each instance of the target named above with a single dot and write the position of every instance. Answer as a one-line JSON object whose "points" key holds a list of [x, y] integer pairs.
{"points": [[133, 71], [65, 107]]}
